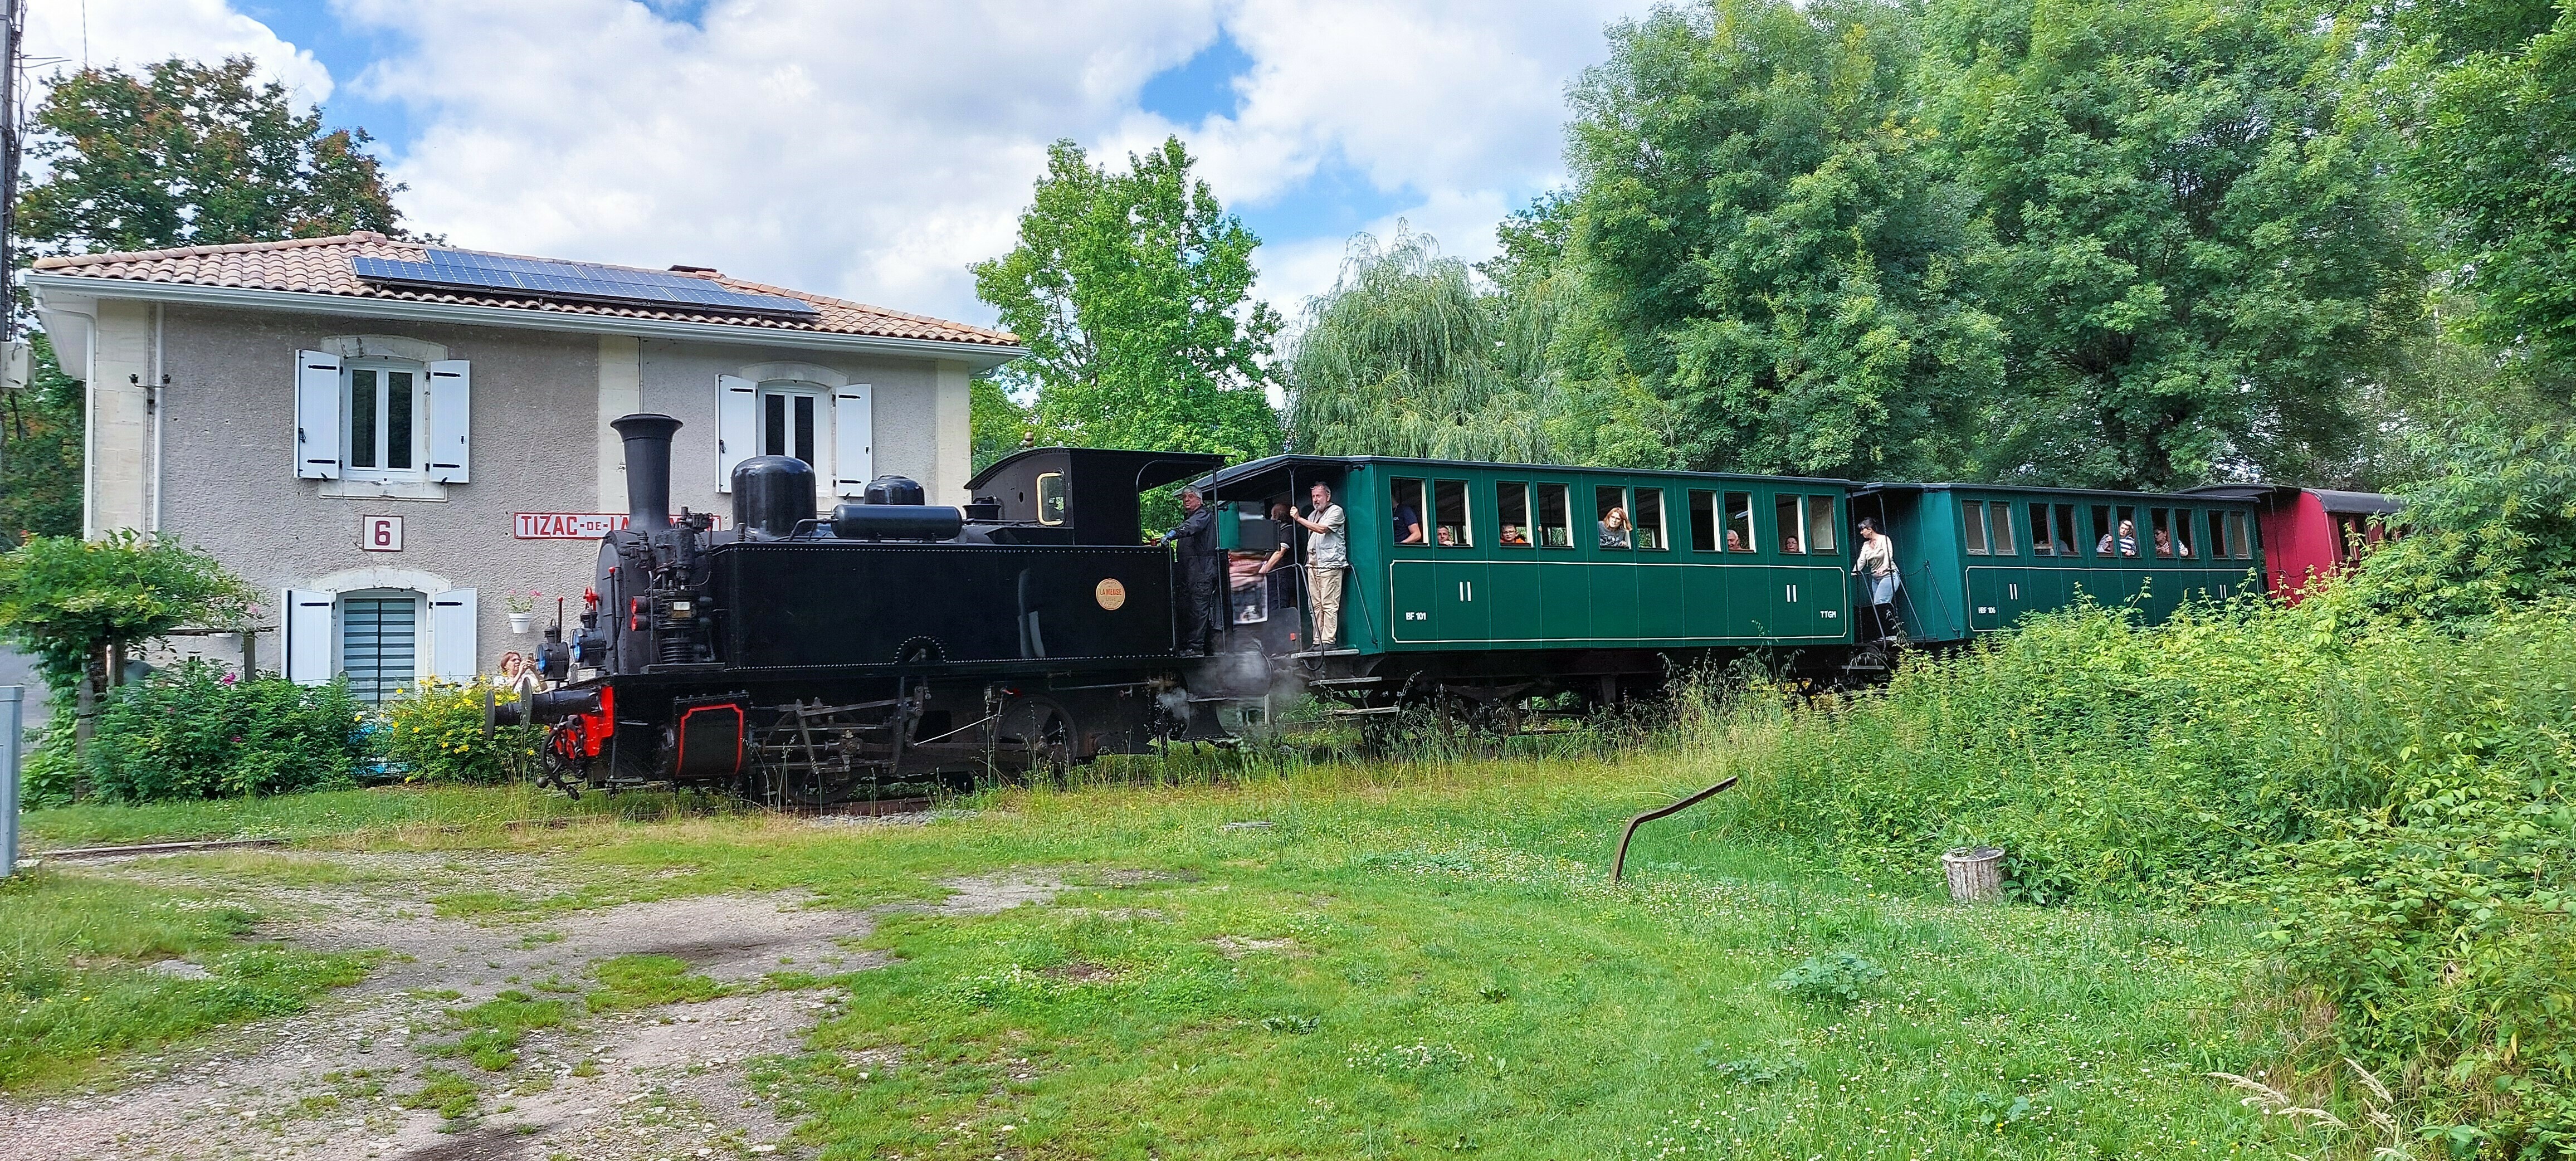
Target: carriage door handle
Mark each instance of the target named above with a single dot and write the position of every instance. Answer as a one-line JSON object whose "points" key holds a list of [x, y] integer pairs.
{"points": [[1791, 592], [1467, 590], [2016, 591]]}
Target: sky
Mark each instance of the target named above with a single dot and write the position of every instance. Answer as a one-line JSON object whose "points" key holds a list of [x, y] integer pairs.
{"points": [[872, 149]]}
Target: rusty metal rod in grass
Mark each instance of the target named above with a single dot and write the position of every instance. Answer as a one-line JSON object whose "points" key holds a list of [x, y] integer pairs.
{"points": [[1620, 863]]}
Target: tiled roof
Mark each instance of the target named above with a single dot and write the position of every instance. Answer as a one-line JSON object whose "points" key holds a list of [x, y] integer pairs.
{"points": [[321, 266]]}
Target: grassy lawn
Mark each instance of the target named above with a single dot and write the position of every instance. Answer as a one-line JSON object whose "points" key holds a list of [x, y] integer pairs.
{"points": [[1415, 962]]}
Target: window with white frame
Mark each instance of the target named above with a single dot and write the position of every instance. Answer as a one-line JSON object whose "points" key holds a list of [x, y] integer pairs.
{"points": [[794, 421], [372, 418], [385, 423]]}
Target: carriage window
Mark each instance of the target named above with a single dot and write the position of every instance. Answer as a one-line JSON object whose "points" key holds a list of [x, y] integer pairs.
{"points": [[1449, 497], [1820, 524], [1703, 521], [1052, 500], [2062, 523], [1511, 502], [1999, 527], [2121, 538], [2042, 541], [1405, 506], [1787, 517], [1610, 517], [2160, 532], [1739, 522], [2183, 546], [1974, 515], [2216, 545], [1553, 510], [1650, 519], [2102, 528]]}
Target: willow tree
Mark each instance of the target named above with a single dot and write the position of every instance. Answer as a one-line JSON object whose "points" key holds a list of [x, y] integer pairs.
{"points": [[1403, 357]]}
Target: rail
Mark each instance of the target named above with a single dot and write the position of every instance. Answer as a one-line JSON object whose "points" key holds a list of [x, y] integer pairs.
{"points": [[1619, 864]]}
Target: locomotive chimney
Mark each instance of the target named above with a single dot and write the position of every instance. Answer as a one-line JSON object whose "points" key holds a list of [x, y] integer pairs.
{"points": [[648, 469]]}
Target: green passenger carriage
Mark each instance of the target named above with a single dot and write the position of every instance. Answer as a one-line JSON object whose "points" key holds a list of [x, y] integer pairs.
{"points": [[1520, 577], [1977, 557]]}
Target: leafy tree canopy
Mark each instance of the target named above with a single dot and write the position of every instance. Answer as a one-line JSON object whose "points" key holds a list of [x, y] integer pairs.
{"points": [[40, 451], [191, 154], [67, 599], [1132, 292], [1402, 357]]}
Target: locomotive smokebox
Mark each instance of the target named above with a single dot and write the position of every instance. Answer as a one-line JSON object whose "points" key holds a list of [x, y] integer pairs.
{"points": [[648, 469], [771, 495], [894, 490]]}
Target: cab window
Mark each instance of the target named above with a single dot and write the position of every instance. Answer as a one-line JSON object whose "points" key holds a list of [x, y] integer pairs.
{"points": [[1650, 519], [1739, 522], [1449, 505], [1052, 499], [1789, 517], [1703, 519], [1511, 506], [1554, 529], [1405, 503]]}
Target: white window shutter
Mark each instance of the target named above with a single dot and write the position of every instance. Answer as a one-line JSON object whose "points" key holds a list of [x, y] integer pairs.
{"points": [[853, 440], [451, 635], [304, 622], [737, 425], [317, 416], [451, 411]]}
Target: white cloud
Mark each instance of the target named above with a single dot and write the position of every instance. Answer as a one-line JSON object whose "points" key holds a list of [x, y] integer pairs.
{"points": [[875, 148], [134, 33]]}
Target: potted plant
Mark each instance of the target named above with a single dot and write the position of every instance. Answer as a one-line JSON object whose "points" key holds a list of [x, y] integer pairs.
{"points": [[523, 609]]}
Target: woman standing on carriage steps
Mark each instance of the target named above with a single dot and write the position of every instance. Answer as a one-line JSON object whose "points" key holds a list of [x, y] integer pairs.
{"points": [[1876, 566]]}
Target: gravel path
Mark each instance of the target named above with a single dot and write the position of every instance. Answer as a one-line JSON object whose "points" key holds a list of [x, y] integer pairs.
{"points": [[660, 1083]]}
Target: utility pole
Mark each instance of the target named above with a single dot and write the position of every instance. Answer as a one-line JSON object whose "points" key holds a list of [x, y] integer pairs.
{"points": [[13, 23]]}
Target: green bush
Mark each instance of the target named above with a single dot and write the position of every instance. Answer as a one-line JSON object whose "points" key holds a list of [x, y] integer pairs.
{"points": [[194, 731], [2390, 793], [435, 734]]}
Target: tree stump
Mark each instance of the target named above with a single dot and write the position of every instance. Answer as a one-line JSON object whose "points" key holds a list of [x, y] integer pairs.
{"points": [[1976, 873]]}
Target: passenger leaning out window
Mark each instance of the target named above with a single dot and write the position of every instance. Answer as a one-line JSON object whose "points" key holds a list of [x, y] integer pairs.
{"points": [[2125, 540], [1614, 528]]}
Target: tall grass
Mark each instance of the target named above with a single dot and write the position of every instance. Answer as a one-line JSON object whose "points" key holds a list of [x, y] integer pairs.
{"points": [[2390, 792]]}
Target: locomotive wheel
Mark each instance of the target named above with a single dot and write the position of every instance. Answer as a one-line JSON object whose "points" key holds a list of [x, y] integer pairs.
{"points": [[1035, 734]]}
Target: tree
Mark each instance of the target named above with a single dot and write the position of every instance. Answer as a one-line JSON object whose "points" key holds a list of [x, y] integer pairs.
{"points": [[77, 604], [2494, 163], [1132, 293], [997, 421], [40, 451], [190, 154], [2193, 256], [1400, 358], [1767, 248]]}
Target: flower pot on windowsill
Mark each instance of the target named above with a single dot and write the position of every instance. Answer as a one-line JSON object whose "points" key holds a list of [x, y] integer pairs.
{"points": [[522, 622]]}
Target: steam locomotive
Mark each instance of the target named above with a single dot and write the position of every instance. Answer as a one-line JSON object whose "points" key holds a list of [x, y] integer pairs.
{"points": [[890, 650]]}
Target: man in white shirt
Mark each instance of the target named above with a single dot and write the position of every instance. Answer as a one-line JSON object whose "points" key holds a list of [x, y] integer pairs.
{"points": [[1328, 556]]}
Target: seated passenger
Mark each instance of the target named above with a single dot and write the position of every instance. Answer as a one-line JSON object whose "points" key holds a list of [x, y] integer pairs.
{"points": [[1614, 528], [1408, 525], [2164, 543], [1448, 537], [1512, 535], [1788, 542], [2126, 539], [1735, 541]]}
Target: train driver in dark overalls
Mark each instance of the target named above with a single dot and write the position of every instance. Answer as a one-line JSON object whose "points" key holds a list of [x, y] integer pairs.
{"points": [[1202, 570]]}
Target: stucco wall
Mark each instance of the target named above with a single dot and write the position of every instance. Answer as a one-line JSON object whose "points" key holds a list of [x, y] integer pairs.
{"points": [[228, 485]]}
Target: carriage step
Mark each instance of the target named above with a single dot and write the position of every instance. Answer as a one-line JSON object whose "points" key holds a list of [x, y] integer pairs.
{"points": [[1366, 711], [1338, 682]]}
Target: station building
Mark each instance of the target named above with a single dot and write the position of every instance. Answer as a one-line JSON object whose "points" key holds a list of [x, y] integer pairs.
{"points": [[395, 439]]}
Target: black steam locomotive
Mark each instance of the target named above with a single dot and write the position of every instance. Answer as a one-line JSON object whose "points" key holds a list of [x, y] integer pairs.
{"points": [[889, 650]]}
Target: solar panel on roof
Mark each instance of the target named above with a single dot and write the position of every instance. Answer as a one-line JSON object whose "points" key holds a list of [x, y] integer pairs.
{"points": [[573, 281]]}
